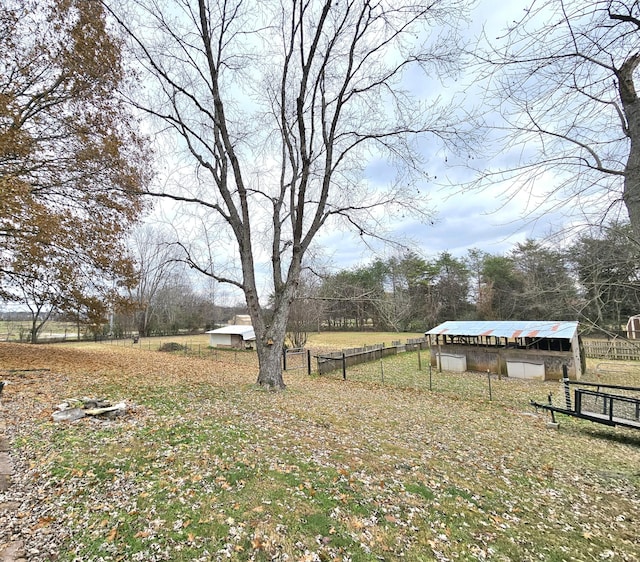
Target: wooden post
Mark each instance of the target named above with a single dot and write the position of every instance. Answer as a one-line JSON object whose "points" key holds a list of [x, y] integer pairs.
{"points": [[344, 366], [308, 361], [489, 379]]}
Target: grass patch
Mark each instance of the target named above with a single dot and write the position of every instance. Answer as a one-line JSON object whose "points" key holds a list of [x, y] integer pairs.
{"points": [[205, 467]]}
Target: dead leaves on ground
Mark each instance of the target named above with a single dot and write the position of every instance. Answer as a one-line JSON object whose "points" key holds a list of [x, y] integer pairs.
{"points": [[211, 468]]}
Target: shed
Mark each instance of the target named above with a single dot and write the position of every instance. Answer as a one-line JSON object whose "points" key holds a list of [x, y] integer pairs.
{"points": [[233, 336], [521, 349], [633, 328]]}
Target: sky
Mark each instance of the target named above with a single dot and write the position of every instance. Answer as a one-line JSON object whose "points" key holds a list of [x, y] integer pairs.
{"points": [[461, 221]]}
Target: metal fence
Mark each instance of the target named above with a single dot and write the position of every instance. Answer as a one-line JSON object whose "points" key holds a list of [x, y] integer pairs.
{"points": [[296, 358], [328, 362]]}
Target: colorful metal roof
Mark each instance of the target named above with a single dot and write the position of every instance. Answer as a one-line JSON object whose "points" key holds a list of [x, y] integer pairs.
{"points": [[508, 329], [246, 332]]}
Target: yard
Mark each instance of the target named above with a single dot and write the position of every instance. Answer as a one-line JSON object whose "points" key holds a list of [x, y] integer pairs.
{"points": [[386, 465]]}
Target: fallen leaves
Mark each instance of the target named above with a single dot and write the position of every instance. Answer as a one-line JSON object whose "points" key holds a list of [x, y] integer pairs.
{"points": [[207, 469]]}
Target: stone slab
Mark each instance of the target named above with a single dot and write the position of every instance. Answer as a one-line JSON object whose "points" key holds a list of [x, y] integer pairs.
{"points": [[9, 507], [4, 444], [13, 552], [5, 482], [6, 467]]}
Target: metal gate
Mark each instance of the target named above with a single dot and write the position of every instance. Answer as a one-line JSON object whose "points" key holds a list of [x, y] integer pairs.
{"points": [[295, 358]]}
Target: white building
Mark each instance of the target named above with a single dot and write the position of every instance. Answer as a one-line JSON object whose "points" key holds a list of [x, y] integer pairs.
{"points": [[234, 337]]}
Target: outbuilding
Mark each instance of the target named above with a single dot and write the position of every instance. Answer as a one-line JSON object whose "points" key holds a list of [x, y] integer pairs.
{"points": [[633, 327], [234, 337], [521, 349]]}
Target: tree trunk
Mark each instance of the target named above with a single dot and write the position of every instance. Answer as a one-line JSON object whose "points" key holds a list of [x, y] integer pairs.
{"points": [[34, 331], [269, 345], [270, 360], [631, 107], [271, 333], [631, 195]]}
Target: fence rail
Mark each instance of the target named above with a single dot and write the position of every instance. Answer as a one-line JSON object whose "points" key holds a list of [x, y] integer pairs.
{"points": [[328, 362], [619, 349]]}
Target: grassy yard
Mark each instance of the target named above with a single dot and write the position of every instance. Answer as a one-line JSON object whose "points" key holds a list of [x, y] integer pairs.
{"points": [[382, 466]]}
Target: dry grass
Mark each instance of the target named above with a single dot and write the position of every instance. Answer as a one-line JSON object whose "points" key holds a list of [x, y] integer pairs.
{"points": [[207, 467], [345, 340]]}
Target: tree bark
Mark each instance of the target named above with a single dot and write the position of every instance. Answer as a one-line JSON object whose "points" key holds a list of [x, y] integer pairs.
{"points": [[270, 373], [631, 108], [271, 332]]}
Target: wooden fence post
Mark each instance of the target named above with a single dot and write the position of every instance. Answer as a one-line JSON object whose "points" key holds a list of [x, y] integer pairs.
{"points": [[344, 366]]}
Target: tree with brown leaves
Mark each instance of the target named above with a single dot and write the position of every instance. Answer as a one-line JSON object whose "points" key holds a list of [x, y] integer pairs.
{"points": [[72, 164]]}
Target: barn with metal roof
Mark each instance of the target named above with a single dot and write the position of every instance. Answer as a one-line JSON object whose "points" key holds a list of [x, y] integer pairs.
{"points": [[234, 336], [524, 349]]}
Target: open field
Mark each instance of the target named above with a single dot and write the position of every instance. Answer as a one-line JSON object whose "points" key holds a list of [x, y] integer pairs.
{"points": [[205, 466], [316, 340], [19, 330]]}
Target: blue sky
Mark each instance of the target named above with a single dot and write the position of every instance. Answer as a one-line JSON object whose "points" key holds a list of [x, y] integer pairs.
{"points": [[488, 219], [462, 220]]}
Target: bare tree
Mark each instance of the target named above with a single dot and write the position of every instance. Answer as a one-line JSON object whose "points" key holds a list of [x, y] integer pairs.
{"points": [[306, 311], [281, 106], [564, 79], [156, 261]]}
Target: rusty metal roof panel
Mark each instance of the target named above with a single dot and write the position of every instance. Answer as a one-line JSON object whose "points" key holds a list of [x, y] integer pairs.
{"points": [[508, 329]]}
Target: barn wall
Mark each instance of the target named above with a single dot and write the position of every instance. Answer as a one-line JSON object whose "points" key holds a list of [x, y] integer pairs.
{"points": [[236, 341], [220, 340], [495, 359]]}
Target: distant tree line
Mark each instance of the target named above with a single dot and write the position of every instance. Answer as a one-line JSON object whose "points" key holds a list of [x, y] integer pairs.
{"points": [[595, 279]]}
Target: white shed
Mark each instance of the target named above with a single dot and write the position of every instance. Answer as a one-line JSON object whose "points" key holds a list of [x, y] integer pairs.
{"points": [[633, 328], [237, 337]]}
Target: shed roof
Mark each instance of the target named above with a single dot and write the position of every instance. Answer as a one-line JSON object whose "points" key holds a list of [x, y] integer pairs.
{"points": [[246, 332], [508, 329]]}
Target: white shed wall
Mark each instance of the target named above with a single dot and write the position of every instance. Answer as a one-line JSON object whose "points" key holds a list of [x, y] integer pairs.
{"points": [[216, 340]]}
